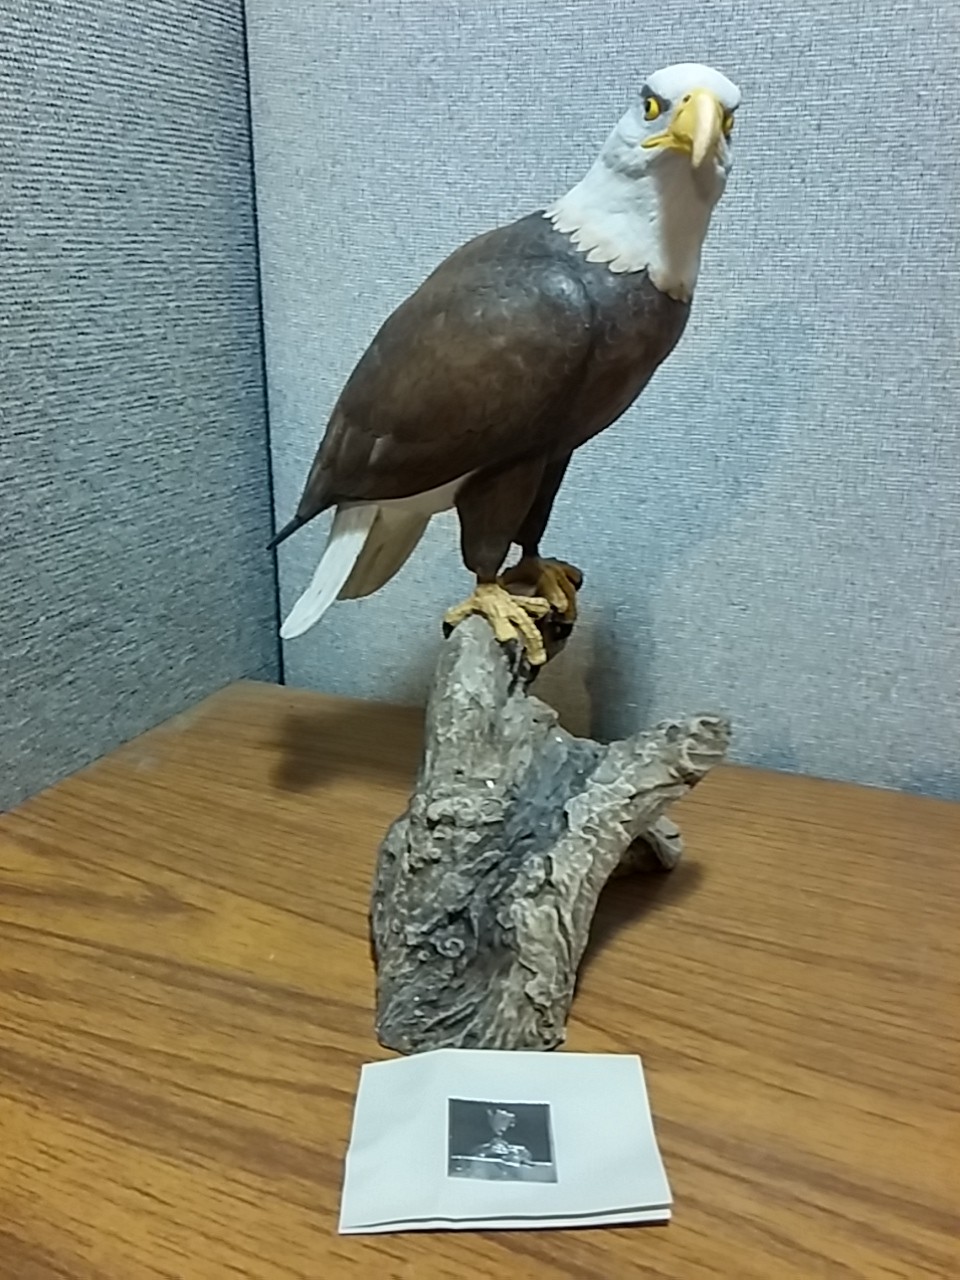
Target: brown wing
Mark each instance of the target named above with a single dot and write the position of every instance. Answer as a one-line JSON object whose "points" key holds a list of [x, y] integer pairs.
{"points": [[472, 370]]}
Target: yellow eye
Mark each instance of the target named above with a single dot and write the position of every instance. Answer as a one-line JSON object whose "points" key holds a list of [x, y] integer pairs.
{"points": [[727, 123], [651, 109]]}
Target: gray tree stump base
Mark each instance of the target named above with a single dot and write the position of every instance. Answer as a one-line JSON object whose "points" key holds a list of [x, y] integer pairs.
{"points": [[486, 887]]}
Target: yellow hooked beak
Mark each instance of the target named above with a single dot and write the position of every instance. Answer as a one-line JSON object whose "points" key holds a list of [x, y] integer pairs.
{"points": [[695, 129]]}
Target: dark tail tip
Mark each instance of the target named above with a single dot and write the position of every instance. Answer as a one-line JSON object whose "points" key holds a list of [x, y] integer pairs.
{"points": [[296, 523]]}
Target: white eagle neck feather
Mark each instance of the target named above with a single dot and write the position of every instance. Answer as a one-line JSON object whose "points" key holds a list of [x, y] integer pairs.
{"points": [[641, 211]]}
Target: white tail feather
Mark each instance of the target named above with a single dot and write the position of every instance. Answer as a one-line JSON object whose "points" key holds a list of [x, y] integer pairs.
{"points": [[391, 541], [348, 533]]}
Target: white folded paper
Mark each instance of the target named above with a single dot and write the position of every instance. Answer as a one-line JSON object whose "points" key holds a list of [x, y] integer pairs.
{"points": [[478, 1139]]}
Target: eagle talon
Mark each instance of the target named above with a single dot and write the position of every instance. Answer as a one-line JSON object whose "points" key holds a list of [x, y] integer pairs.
{"points": [[554, 580], [511, 617]]}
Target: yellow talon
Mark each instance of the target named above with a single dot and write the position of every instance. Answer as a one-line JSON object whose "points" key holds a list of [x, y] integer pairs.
{"points": [[553, 580], [511, 617]]}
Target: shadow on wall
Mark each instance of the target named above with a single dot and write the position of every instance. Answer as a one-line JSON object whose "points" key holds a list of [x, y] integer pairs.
{"points": [[618, 674], [664, 513], [599, 685]]}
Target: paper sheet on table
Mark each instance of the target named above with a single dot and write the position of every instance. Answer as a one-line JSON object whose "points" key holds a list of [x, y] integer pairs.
{"points": [[475, 1138]]}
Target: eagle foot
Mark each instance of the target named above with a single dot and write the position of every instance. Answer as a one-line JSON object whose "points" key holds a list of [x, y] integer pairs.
{"points": [[511, 617], [552, 580]]}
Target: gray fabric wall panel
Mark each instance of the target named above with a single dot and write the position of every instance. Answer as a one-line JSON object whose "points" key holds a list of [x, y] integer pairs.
{"points": [[134, 476], [774, 530]]}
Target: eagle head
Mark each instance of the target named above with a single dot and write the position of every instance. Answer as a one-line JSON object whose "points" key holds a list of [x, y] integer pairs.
{"points": [[646, 202]]}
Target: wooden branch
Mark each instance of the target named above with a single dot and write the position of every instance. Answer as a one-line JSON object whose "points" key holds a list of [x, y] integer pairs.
{"points": [[486, 887]]}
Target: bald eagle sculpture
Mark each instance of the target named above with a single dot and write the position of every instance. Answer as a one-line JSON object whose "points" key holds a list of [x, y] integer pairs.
{"points": [[522, 345]]}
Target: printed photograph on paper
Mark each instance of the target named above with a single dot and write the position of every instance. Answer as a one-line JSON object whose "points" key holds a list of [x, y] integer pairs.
{"points": [[500, 1141]]}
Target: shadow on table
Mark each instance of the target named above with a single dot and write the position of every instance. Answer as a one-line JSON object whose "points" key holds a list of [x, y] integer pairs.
{"points": [[626, 900], [367, 740]]}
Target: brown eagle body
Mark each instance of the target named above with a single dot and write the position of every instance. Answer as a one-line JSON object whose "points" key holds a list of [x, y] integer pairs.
{"points": [[514, 352]]}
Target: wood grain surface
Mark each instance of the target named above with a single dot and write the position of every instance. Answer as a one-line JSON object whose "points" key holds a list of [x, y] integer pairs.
{"points": [[186, 999]]}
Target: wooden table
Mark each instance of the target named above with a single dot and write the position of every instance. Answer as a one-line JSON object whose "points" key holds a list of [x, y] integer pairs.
{"points": [[186, 1000]]}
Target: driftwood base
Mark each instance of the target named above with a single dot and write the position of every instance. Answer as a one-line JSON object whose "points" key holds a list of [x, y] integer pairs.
{"points": [[486, 887]]}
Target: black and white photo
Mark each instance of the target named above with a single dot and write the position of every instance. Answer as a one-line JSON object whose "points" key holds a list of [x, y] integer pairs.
{"points": [[500, 1141], [441, 1142]]}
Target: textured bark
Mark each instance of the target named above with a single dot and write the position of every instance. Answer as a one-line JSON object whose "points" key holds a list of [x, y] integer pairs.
{"points": [[486, 887]]}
